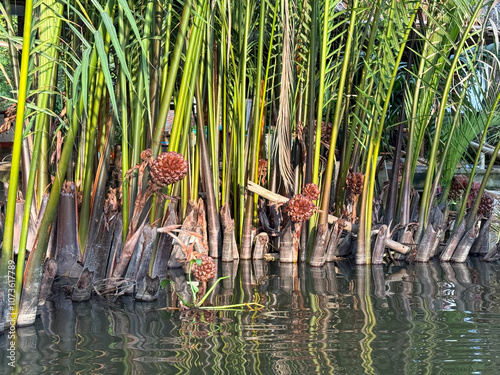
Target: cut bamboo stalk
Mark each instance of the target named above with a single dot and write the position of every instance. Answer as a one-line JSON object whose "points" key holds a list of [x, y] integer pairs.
{"points": [[406, 238], [286, 246], [488, 150], [379, 247], [261, 243], [396, 246], [180, 284]]}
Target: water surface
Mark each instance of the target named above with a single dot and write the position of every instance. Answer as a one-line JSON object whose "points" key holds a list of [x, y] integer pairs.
{"points": [[338, 319]]}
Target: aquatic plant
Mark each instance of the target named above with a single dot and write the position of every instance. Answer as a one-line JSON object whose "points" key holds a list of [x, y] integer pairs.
{"points": [[318, 99]]}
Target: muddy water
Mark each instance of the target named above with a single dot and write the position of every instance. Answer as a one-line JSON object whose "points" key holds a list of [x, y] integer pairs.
{"points": [[339, 319]]}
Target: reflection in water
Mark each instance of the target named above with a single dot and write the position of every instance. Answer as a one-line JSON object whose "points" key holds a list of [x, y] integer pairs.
{"points": [[398, 319]]}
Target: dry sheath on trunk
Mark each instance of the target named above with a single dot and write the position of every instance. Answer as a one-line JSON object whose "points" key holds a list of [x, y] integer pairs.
{"points": [[463, 248], [190, 225], [482, 244], [119, 269], [201, 228], [49, 273], [68, 248], [165, 244], [229, 240], [453, 243], [98, 249], [426, 244], [139, 263], [379, 247], [439, 237], [333, 242]]}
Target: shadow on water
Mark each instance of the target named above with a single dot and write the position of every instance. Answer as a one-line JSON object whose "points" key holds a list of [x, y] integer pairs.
{"points": [[338, 319]]}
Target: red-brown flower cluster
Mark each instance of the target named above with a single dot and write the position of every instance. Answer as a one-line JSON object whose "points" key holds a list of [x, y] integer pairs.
{"points": [[168, 168]]}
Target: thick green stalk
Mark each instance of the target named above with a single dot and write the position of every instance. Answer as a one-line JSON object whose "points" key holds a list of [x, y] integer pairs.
{"points": [[444, 153], [211, 91], [168, 33], [214, 232], [364, 246], [14, 58], [223, 82], [49, 31], [92, 125], [184, 98], [123, 35], [242, 119], [18, 139], [184, 129], [84, 221], [171, 78], [246, 243], [321, 91], [7, 255], [139, 123], [33, 274], [424, 202], [361, 102], [310, 170], [325, 202]]}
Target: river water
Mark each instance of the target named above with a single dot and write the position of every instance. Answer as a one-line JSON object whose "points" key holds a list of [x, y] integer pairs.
{"points": [[339, 319]]}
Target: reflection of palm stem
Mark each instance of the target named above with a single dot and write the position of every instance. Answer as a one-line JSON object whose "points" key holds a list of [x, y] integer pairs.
{"points": [[313, 324], [366, 306]]}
